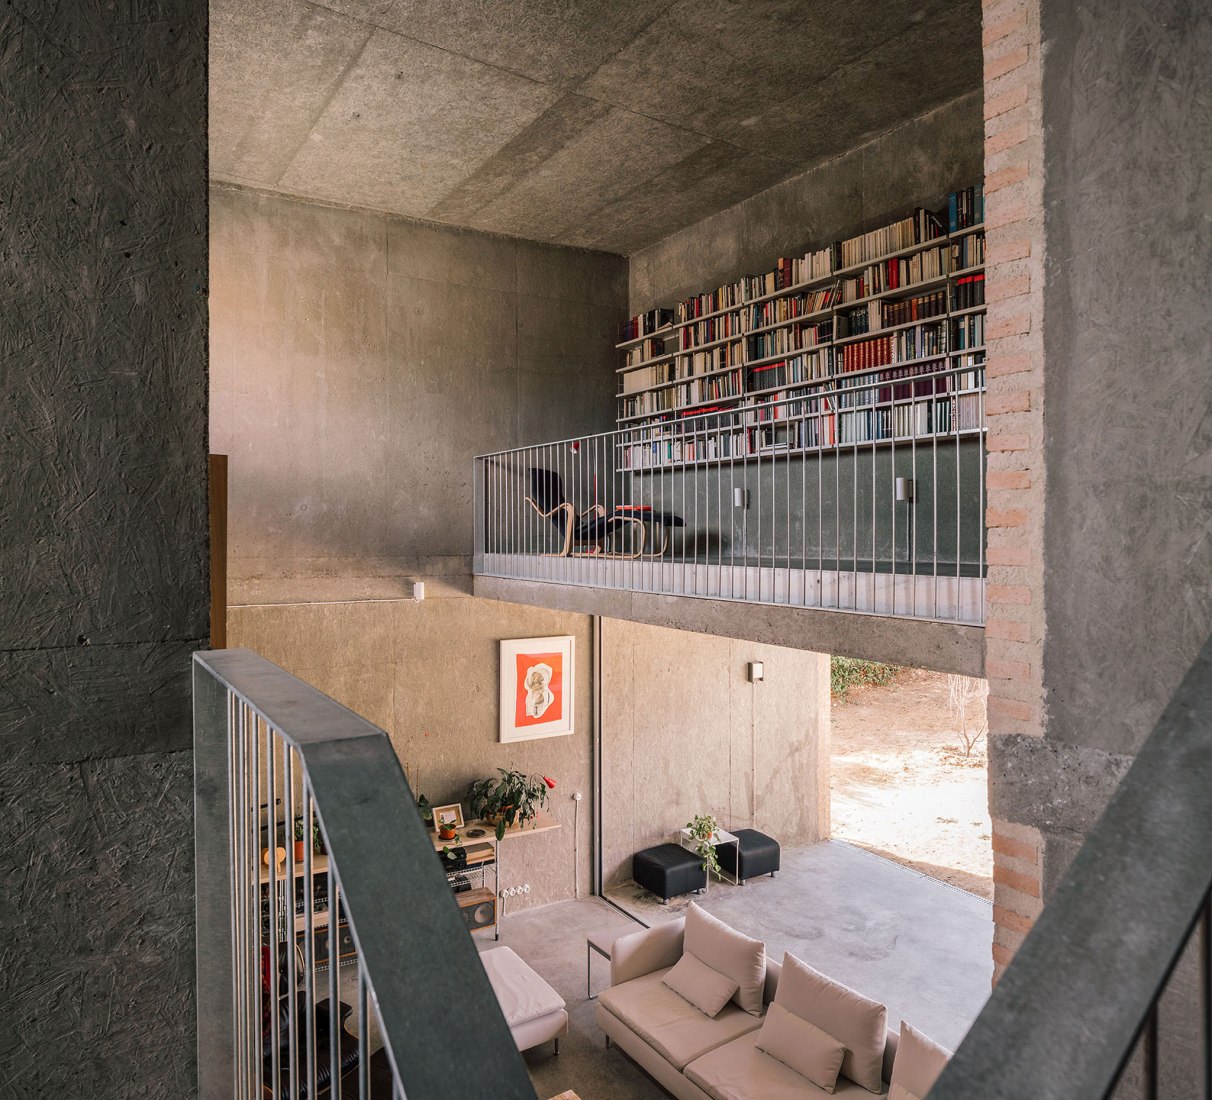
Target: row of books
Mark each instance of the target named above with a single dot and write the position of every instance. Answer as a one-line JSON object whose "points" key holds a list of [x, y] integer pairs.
{"points": [[968, 332], [966, 208], [682, 395], [968, 291], [917, 342], [645, 350], [968, 252], [789, 372], [656, 375], [896, 274], [652, 321], [779, 341], [719, 327], [778, 310], [878, 315], [919, 228]]}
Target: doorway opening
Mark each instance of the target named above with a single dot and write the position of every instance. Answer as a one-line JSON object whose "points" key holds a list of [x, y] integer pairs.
{"points": [[910, 770]]}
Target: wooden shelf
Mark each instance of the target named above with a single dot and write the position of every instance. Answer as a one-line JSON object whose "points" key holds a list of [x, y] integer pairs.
{"points": [[319, 865]]}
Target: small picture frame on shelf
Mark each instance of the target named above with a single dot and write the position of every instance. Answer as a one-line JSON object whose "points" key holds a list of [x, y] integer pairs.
{"points": [[448, 815]]}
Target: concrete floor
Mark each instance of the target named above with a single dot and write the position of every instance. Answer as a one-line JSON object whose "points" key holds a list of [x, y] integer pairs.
{"points": [[920, 946]]}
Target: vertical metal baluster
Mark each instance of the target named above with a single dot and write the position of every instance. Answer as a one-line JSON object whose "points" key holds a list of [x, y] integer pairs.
{"points": [[256, 1042], [363, 1036], [334, 967], [980, 501], [275, 915], [912, 520], [309, 935], [933, 407], [237, 809], [955, 399], [875, 413], [837, 495], [854, 570], [292, 976]]}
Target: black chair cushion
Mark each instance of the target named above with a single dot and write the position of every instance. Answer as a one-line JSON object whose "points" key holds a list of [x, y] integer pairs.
{"points": [[668, 870], [759, 854]]}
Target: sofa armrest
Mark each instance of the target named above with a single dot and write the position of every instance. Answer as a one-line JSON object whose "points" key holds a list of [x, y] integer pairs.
{"points": [[640, 953], [891, 1044]]}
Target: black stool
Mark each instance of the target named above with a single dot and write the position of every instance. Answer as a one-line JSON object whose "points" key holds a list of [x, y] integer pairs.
{"points": [[757, 854], [668, 870]]}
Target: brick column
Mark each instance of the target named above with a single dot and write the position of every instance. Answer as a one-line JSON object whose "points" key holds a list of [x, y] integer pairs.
{"points": [[1014, 406]]}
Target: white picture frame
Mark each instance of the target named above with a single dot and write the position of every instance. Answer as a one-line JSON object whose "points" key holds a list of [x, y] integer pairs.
{"points": [[538, 687]]}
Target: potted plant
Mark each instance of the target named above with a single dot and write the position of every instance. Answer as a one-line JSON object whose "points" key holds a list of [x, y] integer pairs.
{"points": [[512, 799], [317, 845], [702, 829], [426, 811], [448, 830]]}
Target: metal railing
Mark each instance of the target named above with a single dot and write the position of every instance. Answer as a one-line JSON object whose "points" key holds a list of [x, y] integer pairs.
{"points": [[1111, 992], [286, 941], [863, 495]]}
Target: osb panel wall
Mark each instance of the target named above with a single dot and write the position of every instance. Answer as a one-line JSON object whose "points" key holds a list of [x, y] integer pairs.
{"points": [[103, 588]]}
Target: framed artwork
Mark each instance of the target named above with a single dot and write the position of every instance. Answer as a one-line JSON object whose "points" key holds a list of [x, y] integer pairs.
{"points": [[450, 815], [538, 687]]}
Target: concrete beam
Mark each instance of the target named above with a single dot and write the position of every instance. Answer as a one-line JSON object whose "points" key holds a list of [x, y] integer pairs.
{"points": [[943, 647]]}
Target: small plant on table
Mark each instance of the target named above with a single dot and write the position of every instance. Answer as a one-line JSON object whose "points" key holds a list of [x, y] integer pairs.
{"points": [[702, 829]]}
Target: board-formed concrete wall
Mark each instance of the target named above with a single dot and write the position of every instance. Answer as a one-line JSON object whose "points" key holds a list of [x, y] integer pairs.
{"points": [[916, 164], [360, 361], [684, 732], [103, 562], [427, 674]]}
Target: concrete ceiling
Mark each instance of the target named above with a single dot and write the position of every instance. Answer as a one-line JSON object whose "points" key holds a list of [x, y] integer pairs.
{"points": [[607, 124]]}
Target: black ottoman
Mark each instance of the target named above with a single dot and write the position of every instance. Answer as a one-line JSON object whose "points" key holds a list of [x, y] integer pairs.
{"points": [[759, 855], [668, 870]]}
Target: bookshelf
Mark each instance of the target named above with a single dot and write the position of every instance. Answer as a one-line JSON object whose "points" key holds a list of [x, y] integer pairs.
{"points": [[875, 339]]}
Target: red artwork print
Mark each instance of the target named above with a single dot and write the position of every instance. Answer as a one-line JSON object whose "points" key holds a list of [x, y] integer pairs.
{"points": [[539, 689]]}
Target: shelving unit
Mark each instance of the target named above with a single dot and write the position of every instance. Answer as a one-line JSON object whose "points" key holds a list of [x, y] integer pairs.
{"points": [[817, 354]]}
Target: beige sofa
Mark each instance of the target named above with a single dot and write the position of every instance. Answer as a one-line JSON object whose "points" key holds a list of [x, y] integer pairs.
{"points": [[692, 1055]]}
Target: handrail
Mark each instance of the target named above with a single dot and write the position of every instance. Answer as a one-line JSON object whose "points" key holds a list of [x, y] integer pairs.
{"points": [[1065, 1017], [413, 949]]}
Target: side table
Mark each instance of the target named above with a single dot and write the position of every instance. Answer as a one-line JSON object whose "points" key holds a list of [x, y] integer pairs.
{"points": [[721, 836], [601, 942]]}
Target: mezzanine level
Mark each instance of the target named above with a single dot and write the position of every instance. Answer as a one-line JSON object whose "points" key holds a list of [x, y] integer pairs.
{"points": [[848, 518]]}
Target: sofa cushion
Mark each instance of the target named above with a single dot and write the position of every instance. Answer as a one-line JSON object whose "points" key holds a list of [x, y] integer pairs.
{"points": [[739, 1071], [668, 1023], [804, 1047], [707, 989], [521, 993], [725, 949], [919, 1061], [850, 1018]]}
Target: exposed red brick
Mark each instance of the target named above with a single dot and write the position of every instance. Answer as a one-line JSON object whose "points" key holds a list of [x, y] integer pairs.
{"points": [[1008, 629], [999, 66], [1016, 849], [1016, 324], [1008, 479], [998, 290], [1008, 918], [1023, 883], [1008, 670], [1005, 177], [1006, 517], [1004, 251], [1006, 441], [1007, 139], [1017, 20], [1002, 956], [997, 403], [1001, 365], [1013, 709], [1007, 555]]}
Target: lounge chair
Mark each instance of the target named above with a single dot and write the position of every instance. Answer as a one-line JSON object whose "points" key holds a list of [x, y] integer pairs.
{"points": [[582, 534]]}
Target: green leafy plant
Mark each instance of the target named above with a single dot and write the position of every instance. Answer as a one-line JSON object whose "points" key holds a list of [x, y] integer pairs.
{"points": [[702, 829], [448, 830], [513, 798], [847, 672], [425, 810], [317, 843]]}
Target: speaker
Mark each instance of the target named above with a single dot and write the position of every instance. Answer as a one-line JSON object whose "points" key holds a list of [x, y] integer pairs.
{"points": [[479, 908]]}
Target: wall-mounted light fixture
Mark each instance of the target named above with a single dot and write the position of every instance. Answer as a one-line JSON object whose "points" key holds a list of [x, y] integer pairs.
{"points": [[740, 497], [757, 672], [904, 488]]}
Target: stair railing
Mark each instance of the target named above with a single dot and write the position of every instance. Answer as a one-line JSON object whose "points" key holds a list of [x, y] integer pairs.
{"points": [[274, 758]]}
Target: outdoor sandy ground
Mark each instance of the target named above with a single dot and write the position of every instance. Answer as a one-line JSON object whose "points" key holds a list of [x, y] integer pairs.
{"points": [[901, 785]]}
